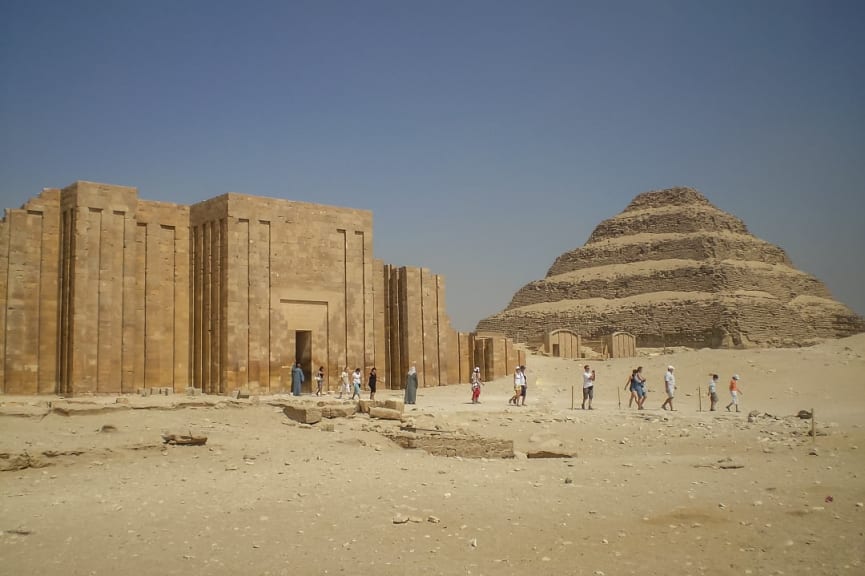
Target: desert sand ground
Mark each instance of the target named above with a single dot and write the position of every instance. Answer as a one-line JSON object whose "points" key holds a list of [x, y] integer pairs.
{"points": [[649, 492]]}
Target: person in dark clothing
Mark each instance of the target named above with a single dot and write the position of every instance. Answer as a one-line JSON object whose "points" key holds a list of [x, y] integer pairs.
{"points": [[372, 382]]}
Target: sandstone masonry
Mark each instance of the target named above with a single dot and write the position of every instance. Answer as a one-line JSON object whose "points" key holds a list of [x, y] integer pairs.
{"points": [[102, 292]]}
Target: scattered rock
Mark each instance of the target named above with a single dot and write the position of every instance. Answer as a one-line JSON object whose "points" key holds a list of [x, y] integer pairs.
{"points": [[303, 414], [338, 410], [397, 405], [385, 413], [184, 440], [548, 454], [11, 462]]}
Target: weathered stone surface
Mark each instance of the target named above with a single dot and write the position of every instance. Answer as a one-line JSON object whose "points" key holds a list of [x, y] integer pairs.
{"points": [[12, 462], [23, 410], [303, 414], [125, 295], [548, 454], [67, 408], [338, 410], [444, 444], [397, 405], [384, 413], [673, 269]]}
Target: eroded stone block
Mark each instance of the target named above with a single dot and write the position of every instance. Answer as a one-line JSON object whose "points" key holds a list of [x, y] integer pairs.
{"points": [[303, 414]]}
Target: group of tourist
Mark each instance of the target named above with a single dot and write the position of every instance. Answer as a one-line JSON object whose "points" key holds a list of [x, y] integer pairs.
{"points": [[356, 382], [521, 386], [637, 385], [297, 380]]}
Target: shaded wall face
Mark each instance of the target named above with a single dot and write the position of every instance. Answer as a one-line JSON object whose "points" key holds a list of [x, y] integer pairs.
{"points": [[277, 282], [415, 327]]}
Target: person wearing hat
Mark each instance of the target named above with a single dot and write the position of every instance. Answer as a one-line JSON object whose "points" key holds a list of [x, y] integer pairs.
{"points": [[518, 387], [734, 392], [670, 386], [476, 385]]}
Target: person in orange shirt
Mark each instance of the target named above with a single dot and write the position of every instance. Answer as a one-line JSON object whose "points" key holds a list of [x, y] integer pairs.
{"points": [[734, 393]]}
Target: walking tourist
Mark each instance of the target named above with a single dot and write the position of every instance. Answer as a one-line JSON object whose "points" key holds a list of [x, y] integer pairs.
{"points": [[524, 385], [319, 380], [588, 386], [518, 387], [632, 385], [476, 385], [355, 381], [343, 382], [670, 387], [642, 390], [373, 379], [713, 392], [734, 393]]}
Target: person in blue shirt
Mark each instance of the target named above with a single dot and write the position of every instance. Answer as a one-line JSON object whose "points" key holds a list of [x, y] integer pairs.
{"points": [[296, 379]]}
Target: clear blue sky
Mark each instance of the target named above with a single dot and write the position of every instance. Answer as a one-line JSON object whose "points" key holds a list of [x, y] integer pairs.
{"points": [[487, 137]]}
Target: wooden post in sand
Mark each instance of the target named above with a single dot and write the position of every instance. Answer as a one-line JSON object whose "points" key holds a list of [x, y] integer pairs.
{"points": [[813, 430], [619, 396], [572, 396], [700, 397]]}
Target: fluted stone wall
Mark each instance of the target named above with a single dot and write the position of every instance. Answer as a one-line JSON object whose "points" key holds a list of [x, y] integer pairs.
{"points": [[102, 292], [29, 265], [673, 269]]}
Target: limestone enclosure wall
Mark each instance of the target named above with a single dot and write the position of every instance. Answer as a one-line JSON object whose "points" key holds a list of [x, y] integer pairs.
{"points": [[415, 328], [29, 244], [124, 285], [277, 282], [102, 292]]}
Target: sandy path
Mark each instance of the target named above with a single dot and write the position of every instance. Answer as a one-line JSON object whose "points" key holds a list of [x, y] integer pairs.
{"points": [[646, 492]]}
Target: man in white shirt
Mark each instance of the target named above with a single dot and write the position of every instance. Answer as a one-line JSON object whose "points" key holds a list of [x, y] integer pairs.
{"points": [[670, 385], [588, 386]]}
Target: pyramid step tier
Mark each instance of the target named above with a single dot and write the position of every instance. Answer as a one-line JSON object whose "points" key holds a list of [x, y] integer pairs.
{"points": [[695, 319], [664, 246], [624, 280]]}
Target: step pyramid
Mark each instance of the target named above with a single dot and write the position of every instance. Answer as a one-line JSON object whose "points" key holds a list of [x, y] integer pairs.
{"points": [[674, 270]]}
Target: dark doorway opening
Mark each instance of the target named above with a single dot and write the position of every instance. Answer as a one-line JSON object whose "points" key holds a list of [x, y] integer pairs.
{"points": [[556, 350]]}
